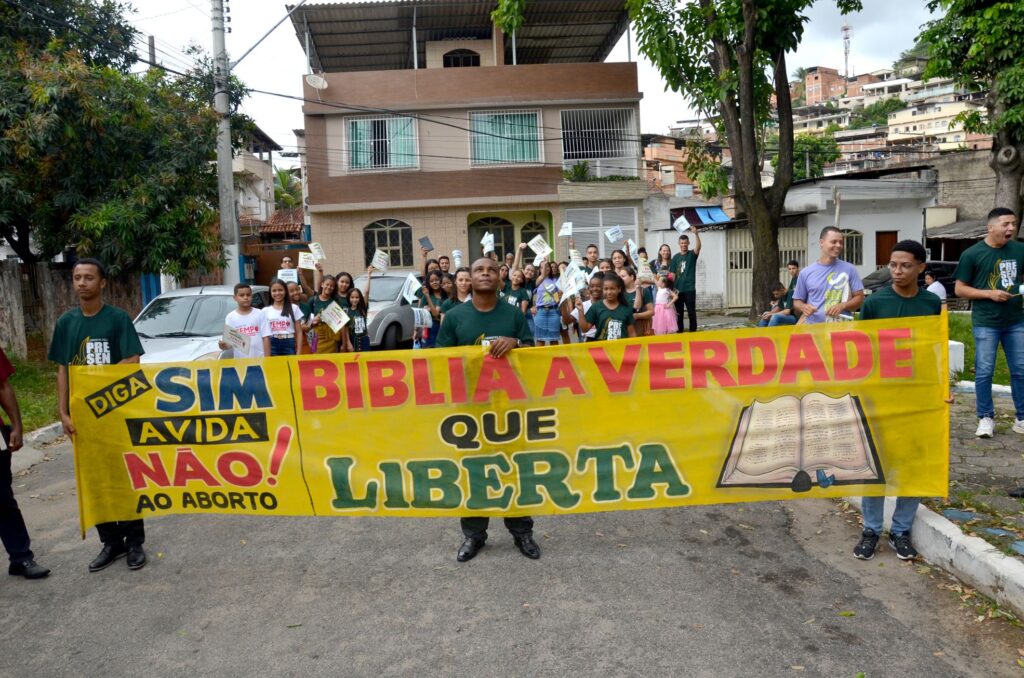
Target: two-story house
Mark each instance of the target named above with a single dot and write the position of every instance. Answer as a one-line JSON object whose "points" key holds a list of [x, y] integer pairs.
{"points": [[422, 118]]}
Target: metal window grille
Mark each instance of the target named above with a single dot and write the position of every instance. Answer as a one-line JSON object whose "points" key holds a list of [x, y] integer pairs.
{"points": [[528, 233], [391, 236], [381, 143], [853, 247], [461, 58], [590, 224], [505, 137], [589, 134], [504, 237]]}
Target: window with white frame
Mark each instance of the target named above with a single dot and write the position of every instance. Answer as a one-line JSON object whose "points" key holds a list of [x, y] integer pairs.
{"points": [[381, 143], [853, 247], [391, 236], [590, 224], [592, 133], [505, 137]]}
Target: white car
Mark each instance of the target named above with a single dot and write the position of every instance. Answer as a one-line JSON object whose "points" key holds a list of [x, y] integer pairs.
{"points": [[186, 324], [390, 321]]}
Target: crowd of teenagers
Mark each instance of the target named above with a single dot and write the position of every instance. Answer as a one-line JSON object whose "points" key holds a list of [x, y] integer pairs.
{"points": [[503, 306]]}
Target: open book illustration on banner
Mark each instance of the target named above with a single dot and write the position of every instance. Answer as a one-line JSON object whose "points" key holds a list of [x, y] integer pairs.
{"points": [[798, 442]]}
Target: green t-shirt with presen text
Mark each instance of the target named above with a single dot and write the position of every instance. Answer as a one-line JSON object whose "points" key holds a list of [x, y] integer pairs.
{"points": [[611, 323], [994, 268], [106, 338]]}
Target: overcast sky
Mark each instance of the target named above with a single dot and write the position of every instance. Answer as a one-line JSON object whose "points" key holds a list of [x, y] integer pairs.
{"points": [[880, 33]]}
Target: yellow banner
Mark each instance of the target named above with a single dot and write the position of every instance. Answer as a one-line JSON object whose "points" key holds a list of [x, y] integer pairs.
{"points": [[715, 417]]}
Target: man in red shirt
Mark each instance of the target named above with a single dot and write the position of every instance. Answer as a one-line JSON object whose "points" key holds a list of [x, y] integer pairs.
{"points": [[12, 526]]}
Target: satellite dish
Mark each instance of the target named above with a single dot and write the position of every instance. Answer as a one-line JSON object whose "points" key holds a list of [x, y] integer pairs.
{"points": [[317, 82]]}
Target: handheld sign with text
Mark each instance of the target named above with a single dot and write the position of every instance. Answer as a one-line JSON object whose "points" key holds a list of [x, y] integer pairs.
{"points": [[567, 282], [426, 244], [381, 261], [307, 261], [575, 257], [540, 246], [488, 242], [633, 250], [288, 275], [422, 318], [335, 317], [681, 225], [410, 288], [236, 340], [318, 251], [538, 260], [614, 234], [566, 229]]}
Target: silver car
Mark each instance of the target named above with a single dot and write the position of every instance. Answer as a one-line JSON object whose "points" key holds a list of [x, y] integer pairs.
{"points": [[186, 324], [391, 322]]}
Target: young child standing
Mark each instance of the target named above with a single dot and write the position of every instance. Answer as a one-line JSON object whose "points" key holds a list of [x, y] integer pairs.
{"points": [[358, 312], [547, 320], [517, 294], [285, 321], [612, 316], [665, 319], [249, 321]]}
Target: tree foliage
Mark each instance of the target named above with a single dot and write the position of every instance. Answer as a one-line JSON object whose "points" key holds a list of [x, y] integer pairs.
{"points": [[877, 114], [977, 43], [114, 164], [287, 189], [812, 152]]}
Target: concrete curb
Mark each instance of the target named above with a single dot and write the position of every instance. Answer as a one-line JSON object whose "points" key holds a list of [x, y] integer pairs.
{"points": [[968, 387], [31, 454], [972, 559]]}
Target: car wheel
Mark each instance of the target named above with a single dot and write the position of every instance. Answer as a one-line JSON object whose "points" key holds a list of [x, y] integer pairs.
{"points": [[390, 342]]}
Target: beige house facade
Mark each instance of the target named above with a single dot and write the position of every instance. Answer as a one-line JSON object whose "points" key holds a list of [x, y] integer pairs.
{"points": [[450, 137]]}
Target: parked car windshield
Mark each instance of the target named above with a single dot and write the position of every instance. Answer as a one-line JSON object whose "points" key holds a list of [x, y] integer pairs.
{"points": [[188, 316], [382, 289]]}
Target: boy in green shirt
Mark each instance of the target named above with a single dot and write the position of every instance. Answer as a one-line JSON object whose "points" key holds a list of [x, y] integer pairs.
{"points": [[484, 320], [990, 275], [684, 272], [905, 298], [97, 334]]}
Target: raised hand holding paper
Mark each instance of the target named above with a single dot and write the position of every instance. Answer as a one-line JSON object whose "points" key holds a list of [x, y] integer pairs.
{"points": [[633, 250], [307, 261], [288, 275], [488, 242], [381, 261], [540, 246], [410, 288], [565, 230], [538, 260], [426, 244], [334, 316], [236, 340], [422, 318], [318, 251], [681, 225], [614, 234], [575, 257]]}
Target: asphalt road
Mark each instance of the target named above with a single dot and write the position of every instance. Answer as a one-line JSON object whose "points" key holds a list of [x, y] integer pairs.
{"points": [[746, 590]]}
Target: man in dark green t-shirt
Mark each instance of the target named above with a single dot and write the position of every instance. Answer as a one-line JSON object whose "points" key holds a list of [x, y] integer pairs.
{"points": [[484, 320], [97, 334], [990, 274], [905, 298], [684, 273]]}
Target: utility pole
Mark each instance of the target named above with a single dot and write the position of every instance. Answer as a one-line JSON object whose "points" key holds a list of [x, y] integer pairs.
{"points": [[225, 179]]}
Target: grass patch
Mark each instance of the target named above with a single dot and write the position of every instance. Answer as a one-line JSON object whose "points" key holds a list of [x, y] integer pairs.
{"points": [[961, 329], [35, 386]]}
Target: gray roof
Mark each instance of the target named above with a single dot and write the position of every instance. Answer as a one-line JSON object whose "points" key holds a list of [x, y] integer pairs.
{"points": [[967, 229], [376, 36]]}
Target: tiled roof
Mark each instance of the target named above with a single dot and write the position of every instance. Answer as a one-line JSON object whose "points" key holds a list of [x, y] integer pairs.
{"points": [[284, 221]]}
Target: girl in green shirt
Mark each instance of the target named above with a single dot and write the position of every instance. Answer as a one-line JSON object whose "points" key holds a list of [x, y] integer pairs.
{"points": [[461, 291], [612, 317], [431, 297]]}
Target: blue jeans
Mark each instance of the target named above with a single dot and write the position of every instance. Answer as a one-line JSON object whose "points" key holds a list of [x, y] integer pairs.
{"points": [[873, 509], [282, 346], [986, 343], [780, 319]]}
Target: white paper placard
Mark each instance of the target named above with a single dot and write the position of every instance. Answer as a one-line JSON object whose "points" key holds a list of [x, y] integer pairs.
{"points": [[236, 340], [579, 275], [538, 260], [681, 225], [318, 251], [422, 318], [614, 234], [410, 288], [633, 250], [335, 317], [540, 246], [575, 257], [381, 261], [569, 284], [307, 261], [488, 242], [644, 272], [565, 230], [288, 275]]}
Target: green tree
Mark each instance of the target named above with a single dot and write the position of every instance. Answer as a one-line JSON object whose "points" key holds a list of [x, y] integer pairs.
{"points": [[287, 189], [96, 29], [977, 43], [811, 153], [877, 114], [727, 57]]}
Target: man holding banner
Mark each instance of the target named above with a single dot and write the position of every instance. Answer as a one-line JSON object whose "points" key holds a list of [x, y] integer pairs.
{"points": [[482, 321], [96, 333], [830, 288]]}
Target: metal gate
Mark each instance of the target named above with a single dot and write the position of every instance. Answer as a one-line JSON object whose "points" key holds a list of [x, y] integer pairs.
{"points": [[740, 259]]}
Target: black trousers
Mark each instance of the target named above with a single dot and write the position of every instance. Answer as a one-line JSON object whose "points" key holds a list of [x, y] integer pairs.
{"points": [[687, 303], [127, 532], [13, 532], [476, 526]]}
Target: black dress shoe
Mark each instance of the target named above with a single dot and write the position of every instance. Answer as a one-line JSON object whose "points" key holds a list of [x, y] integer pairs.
{"points": [[1017, 493], [108, 555], [136, 558], [29, 569], [528, 547], [469, 549]]}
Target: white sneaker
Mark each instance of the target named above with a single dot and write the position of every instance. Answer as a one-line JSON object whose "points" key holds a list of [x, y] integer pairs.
{"points": [[1018, 426], [986, 427]]}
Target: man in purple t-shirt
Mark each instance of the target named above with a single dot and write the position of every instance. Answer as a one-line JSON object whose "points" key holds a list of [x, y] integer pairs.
{"points": [[830, 287]]}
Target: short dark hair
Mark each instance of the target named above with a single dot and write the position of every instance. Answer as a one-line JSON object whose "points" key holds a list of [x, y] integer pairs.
{"points": [[778, 287], [997, 212], [90, 261], [828, 229], [912, 247], [243, 286], [591, 245], [684, 237], [793, 262], [443, 256], [929, 272]]}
